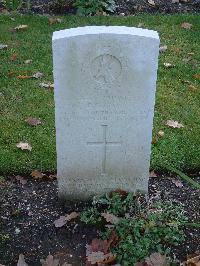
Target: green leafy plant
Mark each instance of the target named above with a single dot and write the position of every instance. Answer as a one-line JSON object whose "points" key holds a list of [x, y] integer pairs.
{"points": [[91, 7], [142, 228]]}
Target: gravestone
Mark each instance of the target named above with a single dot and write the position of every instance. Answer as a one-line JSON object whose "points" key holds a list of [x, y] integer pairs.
{"points": [[105, 80]]}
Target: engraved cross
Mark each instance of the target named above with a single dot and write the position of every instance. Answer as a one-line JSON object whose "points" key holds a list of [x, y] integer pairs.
{"points": [[104, 145]]}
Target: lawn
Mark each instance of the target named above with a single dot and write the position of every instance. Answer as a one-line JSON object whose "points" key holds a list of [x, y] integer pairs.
{"points": [[177, 98]]}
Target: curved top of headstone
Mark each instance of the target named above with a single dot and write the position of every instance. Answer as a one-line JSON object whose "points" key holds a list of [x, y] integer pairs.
{"points": [[91, 30]]}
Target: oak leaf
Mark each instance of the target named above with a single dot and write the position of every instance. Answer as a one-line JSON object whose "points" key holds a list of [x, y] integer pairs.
{"points": [[174, 124], [24, 146]]}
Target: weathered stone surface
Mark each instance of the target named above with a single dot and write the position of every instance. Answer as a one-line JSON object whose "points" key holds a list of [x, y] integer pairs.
{"points": [[105, 80]]}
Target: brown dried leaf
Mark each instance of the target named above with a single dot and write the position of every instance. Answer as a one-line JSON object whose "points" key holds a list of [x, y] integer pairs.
{"points": [[156, 259], [101, 258], [24, 77], [13, 57], [64, 219], [196, 76], [186, 25], [193, 260], [99, 245], [153, 174], [48, 85], [24, 146], [177, 183], [33, 121], [38, 75], [54, 20], [50, 261], [60, 222], [37, 175], [192, 88], [11, 73], [174, 124], [21, 28], [71, 216], [21, 179], [110, 218], [21, 261]]}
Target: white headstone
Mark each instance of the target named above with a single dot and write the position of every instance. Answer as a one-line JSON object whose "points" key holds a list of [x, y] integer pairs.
{"points": [[105, 80]]}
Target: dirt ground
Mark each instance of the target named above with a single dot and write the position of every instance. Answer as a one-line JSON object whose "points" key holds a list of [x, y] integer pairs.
{"points": [[124, 7], [27, 213]]}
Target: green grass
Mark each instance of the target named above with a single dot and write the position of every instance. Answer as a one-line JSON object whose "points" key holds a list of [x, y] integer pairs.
{"points": [[20, 99]]}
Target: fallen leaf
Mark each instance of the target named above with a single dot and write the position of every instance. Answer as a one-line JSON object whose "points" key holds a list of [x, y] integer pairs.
{"points": [[28, 61], [3, 46], [175, 1], [174, 124], [21, 261], [24, 77], [37, 174], [140, 25], [21, 28], [151, 2], [38, 75], [24, 146], [193, 260], [33, 121], [177, 183], [161, 133], [52, 177], [168, 65], [46, 85], [196, 76], [153, 174], [163, 48], [101, 258], [21, 179], [156, 259], [54, 20], [50, 261], [192, 88], [186, 25], [64, 219], [11, 73], [110, 218], [154, 140], [13, 57]]}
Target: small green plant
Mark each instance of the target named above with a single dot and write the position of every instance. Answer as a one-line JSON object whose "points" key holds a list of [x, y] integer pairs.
{"points": [[142, 228], [91, 7]]}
